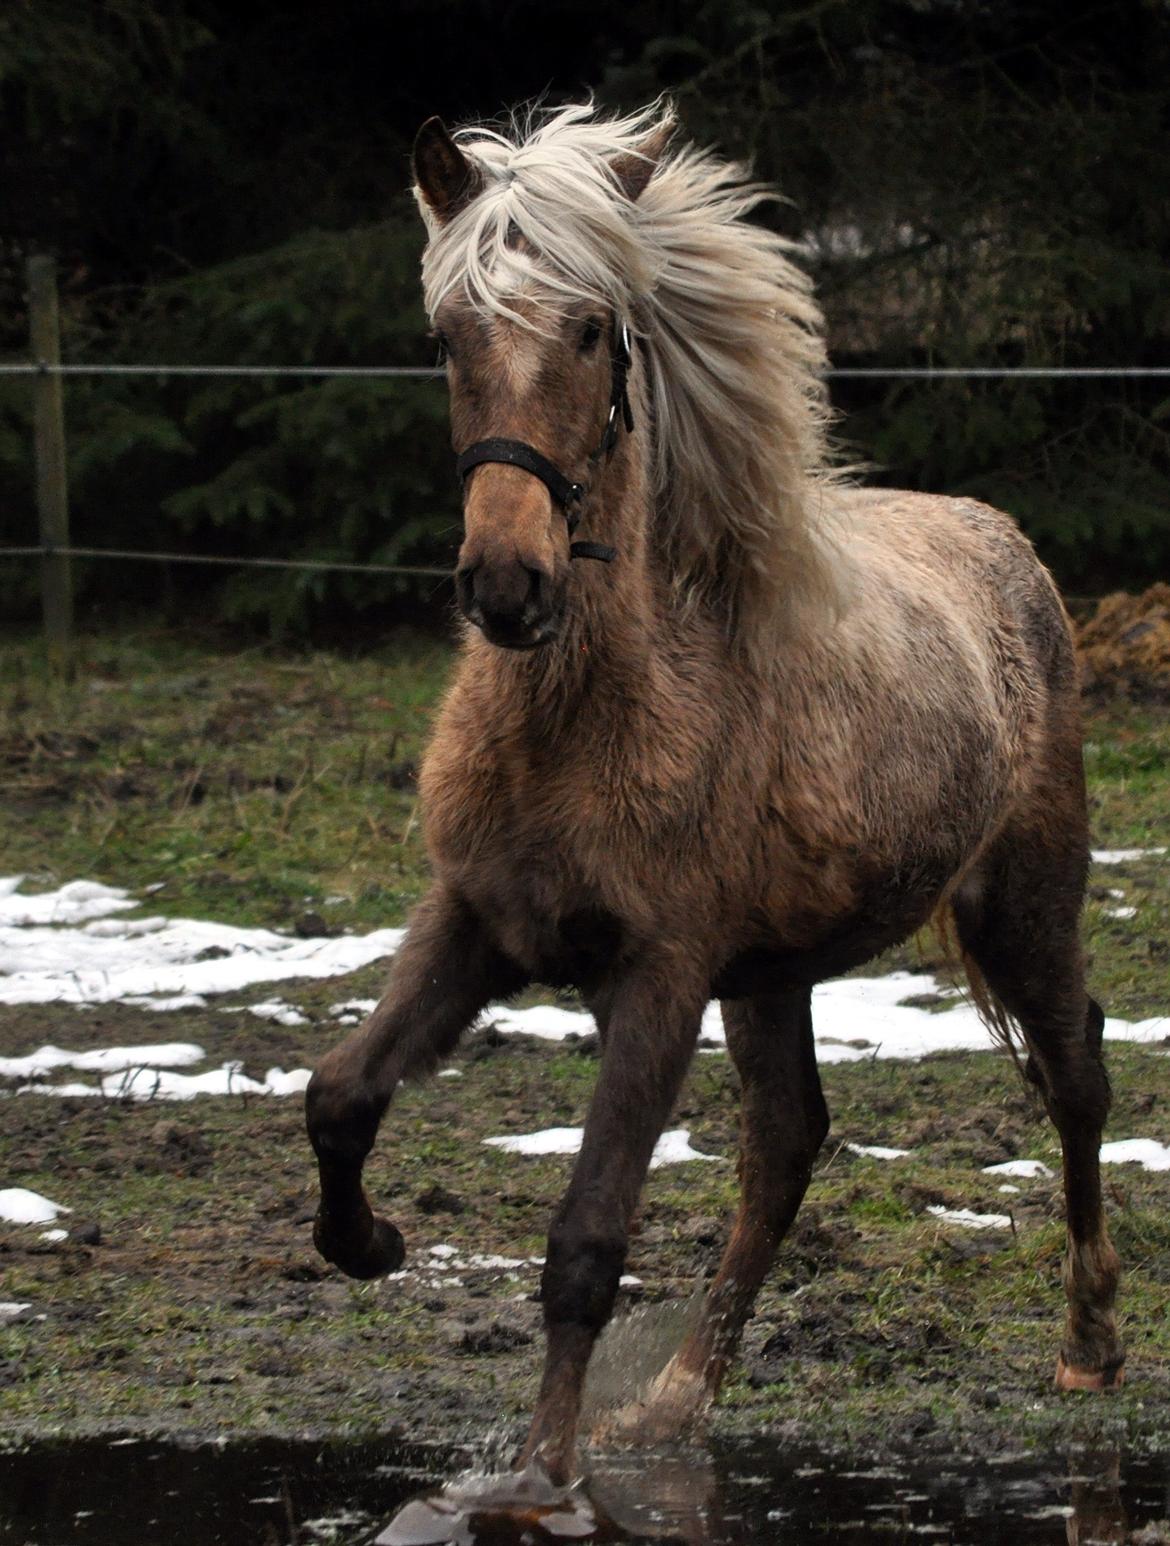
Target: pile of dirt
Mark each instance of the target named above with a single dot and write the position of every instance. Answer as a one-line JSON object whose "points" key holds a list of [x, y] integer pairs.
{"points": [[1124, 647]]}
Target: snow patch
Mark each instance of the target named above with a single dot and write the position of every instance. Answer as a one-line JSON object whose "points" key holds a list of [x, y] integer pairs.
{"points": [[1146, 1152], [550, 1140], [673, 1148], [167, 1005], [276, 1009], [20, 1206], [355, 1006], [1030, 1168], [172, 1054], [969, 1220], [61, 947], [1124, 855], [875, 1151], [78, 902], [160, 1084], [543, 1020], [853, 1018]]}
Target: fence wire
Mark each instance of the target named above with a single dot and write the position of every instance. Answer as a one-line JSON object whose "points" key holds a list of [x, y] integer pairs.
{"points": [[370, 372], [435, 372], [50, 550]]}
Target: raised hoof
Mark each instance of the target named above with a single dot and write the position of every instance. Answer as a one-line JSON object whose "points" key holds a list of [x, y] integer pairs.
{"points": [[384, 1251], [1069, 1377]]}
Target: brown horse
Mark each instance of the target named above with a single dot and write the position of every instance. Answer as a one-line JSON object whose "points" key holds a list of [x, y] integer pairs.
{"points": [[770, 727]]}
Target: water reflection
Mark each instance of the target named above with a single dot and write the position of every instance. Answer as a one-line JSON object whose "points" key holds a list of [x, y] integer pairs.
{"points": [[1098, 1516], [759, 1494], [664, 1499], [269, 1493]]}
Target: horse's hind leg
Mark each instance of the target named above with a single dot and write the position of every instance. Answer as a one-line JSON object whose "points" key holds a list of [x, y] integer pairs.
{"points": [[1018, 921], [783, 1122], [444, 973]]}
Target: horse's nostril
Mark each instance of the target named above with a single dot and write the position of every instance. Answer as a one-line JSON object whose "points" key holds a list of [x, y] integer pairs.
{"points": [[535, 606]]}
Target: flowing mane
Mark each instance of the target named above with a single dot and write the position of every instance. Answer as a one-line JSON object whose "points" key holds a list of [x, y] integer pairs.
{"points": [[732, 335]]}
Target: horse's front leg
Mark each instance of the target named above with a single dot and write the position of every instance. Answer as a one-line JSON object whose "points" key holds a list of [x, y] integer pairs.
{"points": [[653, 1025], [444, 973]]}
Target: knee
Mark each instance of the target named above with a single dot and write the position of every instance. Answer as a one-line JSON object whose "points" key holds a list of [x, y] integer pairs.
{"points": [[581, 1273], [342, 1120], [1079, 1093], [1095, 1026], [780, 1143], [817, 1129]]}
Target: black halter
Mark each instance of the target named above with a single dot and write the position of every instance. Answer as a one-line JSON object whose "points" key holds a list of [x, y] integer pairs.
{"points": [[569, 495]]}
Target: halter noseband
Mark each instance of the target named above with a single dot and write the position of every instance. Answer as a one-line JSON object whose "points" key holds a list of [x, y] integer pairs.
{"points": [[569, 495]]}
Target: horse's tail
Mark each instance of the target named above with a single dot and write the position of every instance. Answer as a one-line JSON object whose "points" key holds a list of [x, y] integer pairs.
{"points": [[1004, 1029]]}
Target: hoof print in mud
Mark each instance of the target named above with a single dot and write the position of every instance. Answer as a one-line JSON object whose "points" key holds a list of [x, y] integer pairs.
{"points": [[383, 1252]]}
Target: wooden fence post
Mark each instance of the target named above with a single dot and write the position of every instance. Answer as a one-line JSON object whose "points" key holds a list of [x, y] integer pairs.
{"points": [[52, 486]]}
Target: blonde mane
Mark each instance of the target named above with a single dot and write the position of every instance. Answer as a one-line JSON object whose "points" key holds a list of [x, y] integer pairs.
{"points": [[733, 341]]}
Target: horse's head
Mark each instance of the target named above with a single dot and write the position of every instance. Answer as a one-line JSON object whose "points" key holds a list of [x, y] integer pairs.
{"points": [[537, 377]]}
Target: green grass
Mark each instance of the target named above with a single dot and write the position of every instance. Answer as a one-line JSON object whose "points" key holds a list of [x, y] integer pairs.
{"points": [[255, 786], [250, 785]]}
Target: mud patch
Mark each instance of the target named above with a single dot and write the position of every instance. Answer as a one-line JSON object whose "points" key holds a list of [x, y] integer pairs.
{"points": [[1124, 647]]}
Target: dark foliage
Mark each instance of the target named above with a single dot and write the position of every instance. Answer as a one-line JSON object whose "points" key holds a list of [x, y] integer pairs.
{"points": [[975, 184]]}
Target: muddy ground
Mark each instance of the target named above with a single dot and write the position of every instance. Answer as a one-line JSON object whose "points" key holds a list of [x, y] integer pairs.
{"points": [[187, 1297]]}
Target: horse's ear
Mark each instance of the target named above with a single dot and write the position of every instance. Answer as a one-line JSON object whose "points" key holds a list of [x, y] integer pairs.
{"points": [[634, 168], [446, 179]]}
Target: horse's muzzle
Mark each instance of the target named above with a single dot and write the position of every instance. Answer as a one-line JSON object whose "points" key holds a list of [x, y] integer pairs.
{"points": [[512, 604]]}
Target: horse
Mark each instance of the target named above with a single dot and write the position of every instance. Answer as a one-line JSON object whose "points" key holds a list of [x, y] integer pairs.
{"points": [[754, 726]]}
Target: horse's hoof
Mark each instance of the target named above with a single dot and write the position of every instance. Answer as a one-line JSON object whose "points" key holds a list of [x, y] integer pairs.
{"points": [[1109, 1377], [523, 1507], [674, 1408], [639, 1425], [382, 1252]]}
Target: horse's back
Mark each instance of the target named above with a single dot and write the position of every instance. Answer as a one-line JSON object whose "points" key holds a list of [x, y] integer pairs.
{"points": [[931, 705], [964, 561]]}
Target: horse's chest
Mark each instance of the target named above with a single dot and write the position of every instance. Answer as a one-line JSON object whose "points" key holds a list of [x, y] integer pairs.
{"points": [[547, 915], [568, 862]]}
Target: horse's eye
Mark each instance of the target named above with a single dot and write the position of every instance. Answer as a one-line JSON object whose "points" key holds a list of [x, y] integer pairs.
{"points": [[444, 346], [590, 333]]}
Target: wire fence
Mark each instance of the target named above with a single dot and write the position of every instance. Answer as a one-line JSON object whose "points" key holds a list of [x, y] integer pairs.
{"points": [[53, 368], [55, 548], [359, 372], [435, 372]]}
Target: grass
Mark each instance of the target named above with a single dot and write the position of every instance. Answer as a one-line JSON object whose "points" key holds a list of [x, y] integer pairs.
{"points": [[249, 785], [257, 787]]}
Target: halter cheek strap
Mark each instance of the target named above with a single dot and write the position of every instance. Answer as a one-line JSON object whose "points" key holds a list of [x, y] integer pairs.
{"points": [[569, 495]]}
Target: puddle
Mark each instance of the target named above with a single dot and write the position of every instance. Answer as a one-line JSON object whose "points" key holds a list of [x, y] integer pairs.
{"points": [[255, 1493], [269, 1493]]}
